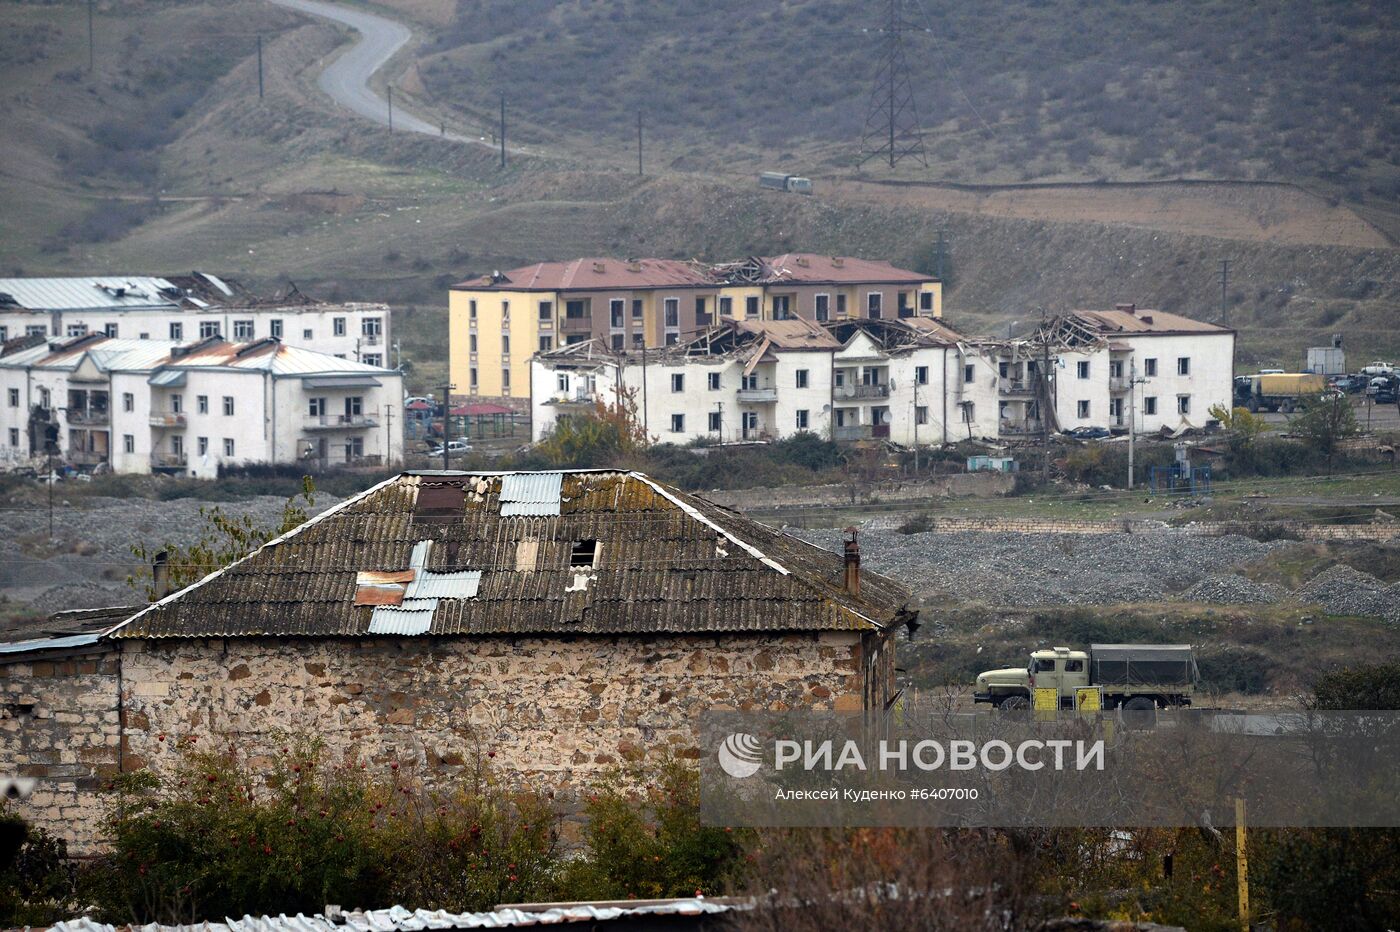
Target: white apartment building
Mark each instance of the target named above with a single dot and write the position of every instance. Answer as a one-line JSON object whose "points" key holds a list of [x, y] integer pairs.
{"points": [[1112, 369], [764, 380], [183, 309], [141, 406]]}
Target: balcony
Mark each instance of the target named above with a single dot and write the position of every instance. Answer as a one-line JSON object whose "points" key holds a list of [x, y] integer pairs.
{"points": [[1119, 384], [1016, 387], [1028, 428], [167, 419], [87, 457], [757, 396], [862, 432], [872, 390], [371, 339], [169, 460], [577, 325], [91, 418], [341, 421], [577, 398]]}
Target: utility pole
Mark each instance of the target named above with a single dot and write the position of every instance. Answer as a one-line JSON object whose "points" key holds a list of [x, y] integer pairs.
{"points": [[503, 130], [1224, 291], [1044, 394], [388, 434], [916, 421], [938, 255], [1133, 383], [639, 143], [446, 423], [646, 427], [398, 353], [389, 95], [260, 73], [893, 118], [91, 44]]}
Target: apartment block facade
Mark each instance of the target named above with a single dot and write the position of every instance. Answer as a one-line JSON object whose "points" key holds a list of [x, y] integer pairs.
{"points": [[498, 322], [153, 406], [184, 309]]}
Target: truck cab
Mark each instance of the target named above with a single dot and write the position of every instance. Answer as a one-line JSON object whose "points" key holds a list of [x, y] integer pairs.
{"points": [[1010, 687]]}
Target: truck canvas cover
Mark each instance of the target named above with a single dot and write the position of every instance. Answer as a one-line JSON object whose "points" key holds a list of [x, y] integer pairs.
{"points": [[1151, 664]]}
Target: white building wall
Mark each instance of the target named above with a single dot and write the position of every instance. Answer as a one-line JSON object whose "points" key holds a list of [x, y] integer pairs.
{"points": [[136, 422], [14, 417], [1209, 382], [1072, 392]]}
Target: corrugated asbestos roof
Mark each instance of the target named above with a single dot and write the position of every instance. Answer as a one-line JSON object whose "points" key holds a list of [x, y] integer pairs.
{"points": [[618, 554], [399, 919]]}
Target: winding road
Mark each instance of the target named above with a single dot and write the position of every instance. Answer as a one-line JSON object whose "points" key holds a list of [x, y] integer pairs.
{"points": [[346, 80]]}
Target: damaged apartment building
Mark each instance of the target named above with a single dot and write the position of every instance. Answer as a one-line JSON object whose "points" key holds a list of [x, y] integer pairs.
{"points": [[912, 381], [563, 622]]}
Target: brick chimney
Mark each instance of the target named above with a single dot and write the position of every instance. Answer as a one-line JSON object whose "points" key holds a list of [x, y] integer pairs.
{"points": [[160, 575], [1130, 308], [852, 581]]}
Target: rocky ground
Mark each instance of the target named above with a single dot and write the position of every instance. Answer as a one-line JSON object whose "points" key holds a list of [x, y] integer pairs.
{"points": [[85, 564], [1024, 570]]}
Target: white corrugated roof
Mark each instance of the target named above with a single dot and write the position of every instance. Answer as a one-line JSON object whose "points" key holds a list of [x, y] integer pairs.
{"points": [[126, 355], [73, 294]]}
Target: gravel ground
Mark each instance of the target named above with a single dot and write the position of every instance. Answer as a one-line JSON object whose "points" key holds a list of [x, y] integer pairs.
{"points": [[1049, 569], [1233, 589], [87, 562], [1342, 590]]}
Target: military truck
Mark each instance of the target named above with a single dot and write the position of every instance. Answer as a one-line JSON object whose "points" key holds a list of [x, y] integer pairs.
{"points": [[1132, 676], [779, 181], [1283, 391]]}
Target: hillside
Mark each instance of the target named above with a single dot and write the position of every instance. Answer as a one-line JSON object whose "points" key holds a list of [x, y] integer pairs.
{"points": [[1013, 91]]}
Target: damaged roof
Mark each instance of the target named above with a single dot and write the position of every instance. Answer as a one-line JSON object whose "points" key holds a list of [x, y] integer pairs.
{"points": [[569, 552], [1132, 319], [595, 273]]}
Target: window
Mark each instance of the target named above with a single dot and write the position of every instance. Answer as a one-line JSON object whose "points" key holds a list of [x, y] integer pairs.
{"points": [[547, 311], [638, 339], [202, 403], [576, 310], [203, 446], [616, 311], [926, 300], [969, 412], [619, 341], [782, 306], [969, 373], [636, 308], [243, 330], [1082, 409], [145, 335], [905, 308], [35, 330], [1149, 405], [751, 306], [177, 403], [471, 310], [128, 443], [77, 330], [505, 310], [546, 344], [1149, 367], [726, 307], [473, 378], [1183, 365], [505, 381], [584, 553], [1183, 404], [371, 326], [505, 344], [1074, 666], [14, 437], [840, 305], [14, 398], [702, 310], [1115, 369], [208, 328], [471, 343], [714, 421], [921, 414], [673, 312], [110, 330], [354, 407], [712, 380], [4, 333], [274, 328], [228, 446], [228, 406], [677, 381], [823, 307], [1082, 368], [921, 375], [128, 401], [338, 326], [372, 359], [306, 334], [802, 418], [316, 407], [678, 423], [563, 382], [801, 378], [873, 304], [748, 382]]}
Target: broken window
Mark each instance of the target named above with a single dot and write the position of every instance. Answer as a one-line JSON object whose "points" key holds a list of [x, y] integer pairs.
{"points": [[584, 553]]}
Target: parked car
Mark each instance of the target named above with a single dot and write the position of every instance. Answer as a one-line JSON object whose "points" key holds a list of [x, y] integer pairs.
{"points": [[454, 447], [1351, 384], [1378, 368], [1089, 433]]}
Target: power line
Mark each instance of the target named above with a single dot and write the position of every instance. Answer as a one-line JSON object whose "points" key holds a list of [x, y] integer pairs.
{"points": [[893, 118]]}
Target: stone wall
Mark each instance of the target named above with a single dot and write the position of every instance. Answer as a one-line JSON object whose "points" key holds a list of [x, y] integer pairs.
{"points": [[59, 723], [981, 484], [1304, 530], [553, 712]]}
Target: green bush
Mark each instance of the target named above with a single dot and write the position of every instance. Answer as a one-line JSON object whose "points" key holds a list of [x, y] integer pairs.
{"points": [[36, 877]]}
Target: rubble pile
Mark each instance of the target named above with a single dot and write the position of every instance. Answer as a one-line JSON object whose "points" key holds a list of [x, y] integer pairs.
{"points": [[1233, 589], [1341, 590]]}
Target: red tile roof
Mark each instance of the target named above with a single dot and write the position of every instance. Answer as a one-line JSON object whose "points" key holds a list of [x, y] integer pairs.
{"points": [[806, 267], [596, 274], [1144, 320]]}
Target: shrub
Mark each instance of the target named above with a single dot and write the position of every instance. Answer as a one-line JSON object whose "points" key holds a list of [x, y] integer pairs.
{"points": [[36, 878]]}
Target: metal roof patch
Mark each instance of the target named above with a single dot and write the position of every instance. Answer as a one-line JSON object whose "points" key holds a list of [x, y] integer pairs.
{"points": [[525, 494]]}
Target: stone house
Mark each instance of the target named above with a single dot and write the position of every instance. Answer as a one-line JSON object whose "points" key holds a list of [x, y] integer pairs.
{"points": [[565, 621]]}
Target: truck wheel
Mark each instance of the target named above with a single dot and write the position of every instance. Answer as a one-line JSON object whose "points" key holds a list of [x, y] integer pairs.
{"points": [[1253, 406], [1014, 704], [1288, 407], [1140, 712]]}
